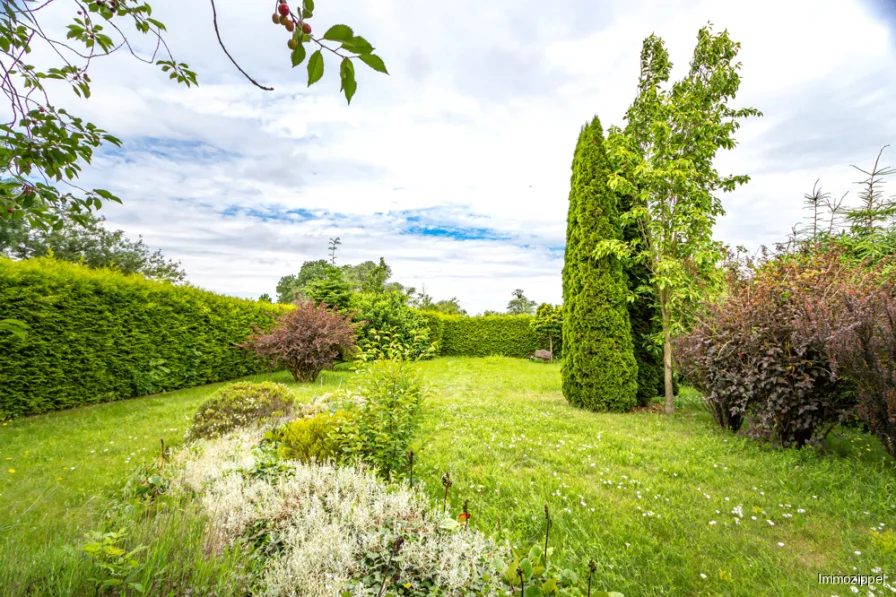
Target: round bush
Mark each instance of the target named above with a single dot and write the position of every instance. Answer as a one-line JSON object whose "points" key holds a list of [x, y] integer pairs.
{"points": [[238, 405], [311, 438]]}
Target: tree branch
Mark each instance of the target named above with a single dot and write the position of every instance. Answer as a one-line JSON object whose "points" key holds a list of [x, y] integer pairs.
{"points": [[223, 47]]}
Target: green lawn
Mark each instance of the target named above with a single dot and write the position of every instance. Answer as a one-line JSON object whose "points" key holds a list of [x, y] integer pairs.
{"points": [[648, 497]]}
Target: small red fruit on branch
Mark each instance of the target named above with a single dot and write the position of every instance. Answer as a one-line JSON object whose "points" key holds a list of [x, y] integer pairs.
{"points": [[283, 9], [306, 28]]}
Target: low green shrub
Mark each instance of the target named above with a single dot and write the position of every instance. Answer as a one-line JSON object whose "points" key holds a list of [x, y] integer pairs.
{"points": [[385, 417], [390, 311], [311, 438], [238, 405]]}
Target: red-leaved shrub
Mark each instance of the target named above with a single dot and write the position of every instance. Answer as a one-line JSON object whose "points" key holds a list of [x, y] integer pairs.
{"points": [[306, 340], [755, 357], [858, 324]]}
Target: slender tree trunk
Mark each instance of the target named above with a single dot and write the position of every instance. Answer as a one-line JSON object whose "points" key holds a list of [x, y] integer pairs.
{"points": [[551, 342], [667, 350]]}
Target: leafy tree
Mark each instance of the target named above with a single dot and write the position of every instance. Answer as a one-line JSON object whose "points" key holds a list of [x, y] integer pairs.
{"points": [[368, 276], [664, 161], [407, 291], [423, 301], [290, 286], [265, 298], [333, 291], [599, 368], [449, 307], [43, 148], [87, 241], [643, 313], [519, 304], [489, 312], [287, 289], [548, 322]]}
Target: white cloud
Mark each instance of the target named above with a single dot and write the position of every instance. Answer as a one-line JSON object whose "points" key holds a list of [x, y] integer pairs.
{"points": [[476, 126]]}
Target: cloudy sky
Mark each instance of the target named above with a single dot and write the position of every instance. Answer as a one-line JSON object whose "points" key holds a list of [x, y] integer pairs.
{"points": [[456, 167]]}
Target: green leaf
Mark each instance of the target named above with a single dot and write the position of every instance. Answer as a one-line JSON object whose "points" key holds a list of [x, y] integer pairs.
{"points": [[308, 5], [526, 567], [339, 33], [298, 55], [347, 74], [374, 62], [535, 553], [550, 586], [15, 327], [358, 45], [510, 574], [533, 591], [315, 68]]}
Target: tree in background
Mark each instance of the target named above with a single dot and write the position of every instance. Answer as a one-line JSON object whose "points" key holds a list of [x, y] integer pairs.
{"points": [[875, 210], [423, 301], [519, 304], [310, 271], [85, 240], [548, 322], [664, 161], [599, 367], [449, 307], [334, 244], [265, 298], [368, 276], [333, 291]]}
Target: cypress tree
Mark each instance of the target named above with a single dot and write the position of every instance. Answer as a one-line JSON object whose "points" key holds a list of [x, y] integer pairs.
{"points": [[599, 367]]}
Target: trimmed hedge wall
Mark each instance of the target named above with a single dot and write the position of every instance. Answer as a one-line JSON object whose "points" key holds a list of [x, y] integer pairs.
{"points": [[508, 335], [98, 336]]}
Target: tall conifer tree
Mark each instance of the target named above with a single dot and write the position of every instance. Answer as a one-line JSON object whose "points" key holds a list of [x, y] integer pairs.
{"points": [[599, 368]]}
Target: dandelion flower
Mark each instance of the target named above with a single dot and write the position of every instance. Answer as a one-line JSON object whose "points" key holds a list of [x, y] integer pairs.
{"points": [[12, 471]]}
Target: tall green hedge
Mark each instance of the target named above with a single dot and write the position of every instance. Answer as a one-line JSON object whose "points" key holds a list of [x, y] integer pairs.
{"points": [[599, 367], [508, 335], [97, 336], [436, 323]]}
